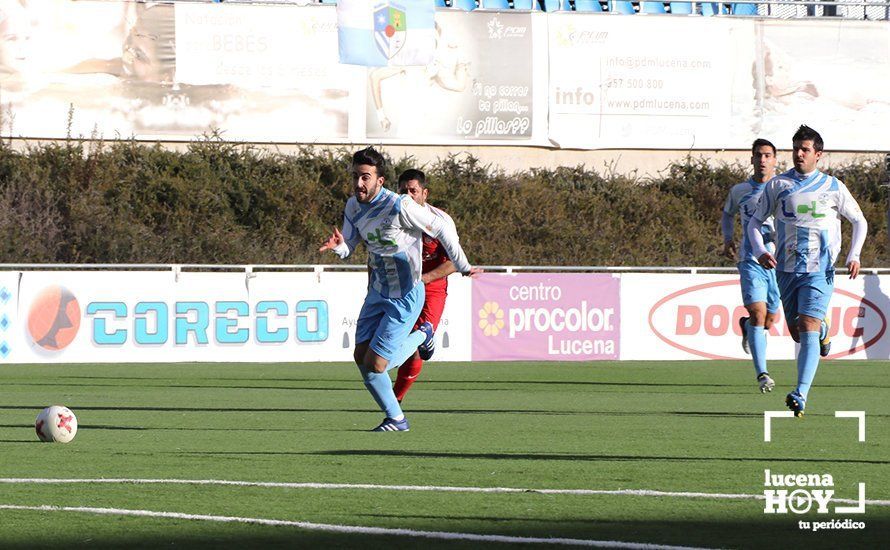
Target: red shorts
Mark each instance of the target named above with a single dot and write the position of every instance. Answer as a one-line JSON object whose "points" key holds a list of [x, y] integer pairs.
{"points": [[432, 307]]}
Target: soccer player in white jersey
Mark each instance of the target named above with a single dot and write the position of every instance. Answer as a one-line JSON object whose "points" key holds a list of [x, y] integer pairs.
{"points": [[806, 205], [760, 292], [391, 226]]}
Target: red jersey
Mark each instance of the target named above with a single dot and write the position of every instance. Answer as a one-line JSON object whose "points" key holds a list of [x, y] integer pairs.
{"points": [[434, 253]]}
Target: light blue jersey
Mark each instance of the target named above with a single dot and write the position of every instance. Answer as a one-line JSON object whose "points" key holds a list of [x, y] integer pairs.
{"points": [[743, 199], [806, 209], [391, 227]]}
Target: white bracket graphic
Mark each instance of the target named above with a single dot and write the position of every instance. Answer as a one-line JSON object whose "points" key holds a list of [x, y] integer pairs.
{"points": [[859, 508], [854, 414], [769, 415], [767, 422]]}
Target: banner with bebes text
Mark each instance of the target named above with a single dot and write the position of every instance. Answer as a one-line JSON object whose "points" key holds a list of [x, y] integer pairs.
{"points": [[271, 73]]}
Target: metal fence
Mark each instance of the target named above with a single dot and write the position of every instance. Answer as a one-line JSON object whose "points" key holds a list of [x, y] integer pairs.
{"points": [[779, 9]]}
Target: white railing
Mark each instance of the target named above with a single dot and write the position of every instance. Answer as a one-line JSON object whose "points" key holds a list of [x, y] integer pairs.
{"points": [[320, 268]]}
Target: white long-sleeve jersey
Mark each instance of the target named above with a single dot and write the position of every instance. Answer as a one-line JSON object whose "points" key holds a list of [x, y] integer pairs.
{"points": [[743, 198], [806, 208], [391, 226]]}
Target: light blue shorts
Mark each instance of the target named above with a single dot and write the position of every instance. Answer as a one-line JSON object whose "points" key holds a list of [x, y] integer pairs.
{"points": [[806, 293], [759, 285], [386, 322]]}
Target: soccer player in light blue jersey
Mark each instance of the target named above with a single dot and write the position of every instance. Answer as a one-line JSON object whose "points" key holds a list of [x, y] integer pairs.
{"points": [[760, 292], [806, 205], [391, 226]]}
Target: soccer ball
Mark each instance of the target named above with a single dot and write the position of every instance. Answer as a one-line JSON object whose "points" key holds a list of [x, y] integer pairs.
{"points": [[56, 424]]}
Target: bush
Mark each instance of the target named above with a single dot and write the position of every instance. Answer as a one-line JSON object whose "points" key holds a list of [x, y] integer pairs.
{"points": [[217, 202]]}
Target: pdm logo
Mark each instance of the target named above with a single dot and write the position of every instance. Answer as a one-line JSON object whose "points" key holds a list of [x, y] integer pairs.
{"points": [[54, 318]]}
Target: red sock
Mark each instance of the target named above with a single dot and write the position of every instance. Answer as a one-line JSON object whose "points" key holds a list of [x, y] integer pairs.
{"points": [[406, 375]]}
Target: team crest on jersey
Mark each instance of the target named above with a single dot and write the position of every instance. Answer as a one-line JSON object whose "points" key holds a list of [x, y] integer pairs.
{"points": [[390, 28]]}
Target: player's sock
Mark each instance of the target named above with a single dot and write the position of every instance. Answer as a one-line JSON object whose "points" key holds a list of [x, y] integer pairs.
{"points": [[807, 361], [380, 386], [757, 343], [407, 349], [406, 375]]}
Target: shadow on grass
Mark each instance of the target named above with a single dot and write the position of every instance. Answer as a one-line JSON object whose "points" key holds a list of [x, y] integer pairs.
{"points": [[570, 457], [469, 381], [765, 533], [545, 412]]}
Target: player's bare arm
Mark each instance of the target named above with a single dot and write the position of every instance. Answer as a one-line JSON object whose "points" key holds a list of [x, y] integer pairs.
{"points": [[335, 240], [767, 260]]}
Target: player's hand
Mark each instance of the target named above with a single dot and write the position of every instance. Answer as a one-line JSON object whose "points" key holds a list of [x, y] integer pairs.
{"points": [[854, 269], [335, 240], [474, 272], [729, 249], [767, 261]]}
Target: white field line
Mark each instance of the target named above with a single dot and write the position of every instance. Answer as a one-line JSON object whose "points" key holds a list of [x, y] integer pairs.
{"points": [[442, 535], [433, 488]]}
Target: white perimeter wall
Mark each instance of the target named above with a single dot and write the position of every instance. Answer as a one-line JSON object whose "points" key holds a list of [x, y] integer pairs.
{"points": [[148, 316]]}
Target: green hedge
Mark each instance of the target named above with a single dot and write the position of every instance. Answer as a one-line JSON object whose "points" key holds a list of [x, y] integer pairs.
{"points": [[218, 202]]}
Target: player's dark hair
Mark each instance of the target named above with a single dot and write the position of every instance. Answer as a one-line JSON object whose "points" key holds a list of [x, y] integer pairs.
{"points": [[760, 142], [412, 174], [805, 133], [370, 157]]}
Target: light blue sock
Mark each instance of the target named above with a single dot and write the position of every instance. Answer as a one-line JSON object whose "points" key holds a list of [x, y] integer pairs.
{"points": [[406, 350], [757, 343], [380, 386], [807, 361]]}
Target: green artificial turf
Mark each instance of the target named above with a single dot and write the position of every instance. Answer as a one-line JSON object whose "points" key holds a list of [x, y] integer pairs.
{"points": [[671, 426]]}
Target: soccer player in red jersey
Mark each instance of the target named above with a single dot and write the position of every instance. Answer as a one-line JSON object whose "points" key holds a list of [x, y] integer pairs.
{"points": [[436, 269]]}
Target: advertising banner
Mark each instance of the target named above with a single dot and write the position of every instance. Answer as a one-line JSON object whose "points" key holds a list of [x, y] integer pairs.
{"points": [[167, 71], [9, 284], [546, 316], [85, 67], [832, 74], [162, 316], [610, 89], [480, 85], [262, 73], [270, 73], [668, 317], [99, 317]]}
